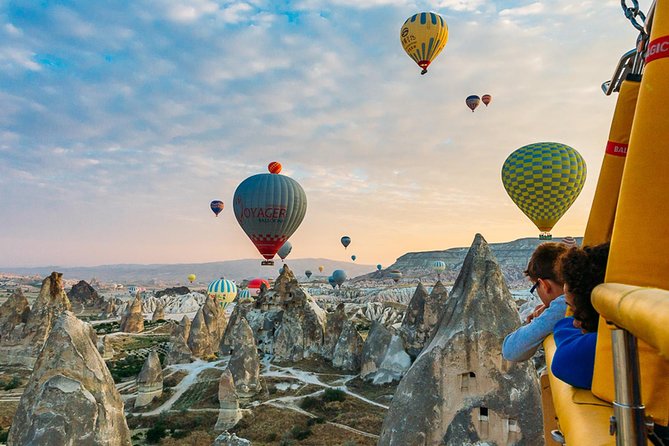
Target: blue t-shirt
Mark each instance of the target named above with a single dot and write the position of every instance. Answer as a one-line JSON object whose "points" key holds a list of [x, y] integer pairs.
{"points": [[574, 359], [524, 342]]}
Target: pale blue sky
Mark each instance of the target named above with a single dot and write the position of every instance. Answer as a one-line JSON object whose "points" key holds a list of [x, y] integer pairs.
{"points": [[121, 121]]}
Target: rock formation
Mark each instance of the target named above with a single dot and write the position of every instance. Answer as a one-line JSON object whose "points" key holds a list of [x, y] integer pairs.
{"points": [[179, 353], [133, 319], [474, 396], [244, 364], [13, 315], [183, 328], [82, 295], [228, 439], [149, 380], [237, 334], [159, 313], [109, 309], [105, 348], [70, 398], [199, 338], [229, 413], [334, 324], [22, 343], [348, 350], [422, 317], [214, 317], [175, 291], [384, 358]]}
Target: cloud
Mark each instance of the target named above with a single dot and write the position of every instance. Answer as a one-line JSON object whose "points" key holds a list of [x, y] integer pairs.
{"points": [[527, 10]]}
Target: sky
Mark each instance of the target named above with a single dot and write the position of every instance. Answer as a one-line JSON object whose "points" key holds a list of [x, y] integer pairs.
{"points": [[121, 121]]}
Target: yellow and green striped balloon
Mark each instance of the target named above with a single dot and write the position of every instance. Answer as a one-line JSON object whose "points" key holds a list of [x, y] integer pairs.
{"points": [[423, 36], [544, 179]]}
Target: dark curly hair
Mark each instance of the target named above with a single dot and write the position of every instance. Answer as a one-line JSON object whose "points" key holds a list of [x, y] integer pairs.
{"points": [[543, 261], [581, 270]]}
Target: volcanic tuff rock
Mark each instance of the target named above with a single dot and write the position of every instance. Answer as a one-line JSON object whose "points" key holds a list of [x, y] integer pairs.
{"points": [[174, 304], [422, 316], [70, 398], [83, 295], [175, 291], [348, 350], [158, 313], [149, 380], [13, 313], [109, 309], [244, 363], [183, 328], [383, 356], [238, 334], [229, 413], [228, 439], [179, 352], [214, 317], [105, 348], [133, 319], [474, 395], [199, 339], [22, 343], [334, 324]]}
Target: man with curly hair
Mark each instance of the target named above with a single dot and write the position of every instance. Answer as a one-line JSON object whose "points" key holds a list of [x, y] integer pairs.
{"points": [[581, 270], [521, 344]]}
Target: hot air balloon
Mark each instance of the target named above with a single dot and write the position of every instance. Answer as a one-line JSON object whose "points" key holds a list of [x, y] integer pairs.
{"points": [[255, 284], [396, 275], [285, 250], [216, 206], [321, 268], [569, 241], [346, 240], [191, 278], [222, 291], [339, 276], [423, 36], [308, 274], [244, 295], [472, 102], [379, 267], [269, 208], [353, 257], [486, 99], [274, 167], [544, 179], [281, 270], [332, 282], [439, 267]]}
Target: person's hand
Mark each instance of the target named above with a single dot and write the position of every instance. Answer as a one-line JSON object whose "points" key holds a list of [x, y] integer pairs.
{"points": [[537, 311]]}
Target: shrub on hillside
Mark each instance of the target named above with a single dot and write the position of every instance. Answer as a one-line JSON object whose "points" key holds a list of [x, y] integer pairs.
{"points": [[334, 395]]}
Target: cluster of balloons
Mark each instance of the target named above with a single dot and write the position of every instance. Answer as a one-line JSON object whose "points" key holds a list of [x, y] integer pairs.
{"points": [[473, 101]]}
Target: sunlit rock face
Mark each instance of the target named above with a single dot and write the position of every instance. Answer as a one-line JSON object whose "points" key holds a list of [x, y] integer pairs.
{"points": [[228, 439], [133, 318], [183, 329], [244, 362], [25, 331], [105, 348], [159, 312], [214, 317], [229, 413], [149, 380], [348, 350], [70, 398], [474, 396], [384, 358], [83, 295], [334, 324], [179, 353], [422, 317], [199, 339]]}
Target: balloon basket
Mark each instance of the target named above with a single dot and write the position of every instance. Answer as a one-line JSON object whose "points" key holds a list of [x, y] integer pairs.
{"points": [[545, 236], [267, 263]]}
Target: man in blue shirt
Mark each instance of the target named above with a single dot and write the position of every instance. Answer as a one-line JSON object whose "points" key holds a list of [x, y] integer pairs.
{"points": [[541, 271]]}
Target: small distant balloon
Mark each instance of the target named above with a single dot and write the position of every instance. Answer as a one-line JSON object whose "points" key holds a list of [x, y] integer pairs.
{"points": [[346, 240], [216, 206], [285, 250], [353, 257], [379, 267], [321, 268], [569, 241], [486, 99], [274, 167], [191, 278], [396, 275], [472, 102], [308, 273]]}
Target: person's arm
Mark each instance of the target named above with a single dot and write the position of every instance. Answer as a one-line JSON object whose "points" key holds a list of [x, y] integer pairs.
{"points": [[574, 359], [523, 343]]}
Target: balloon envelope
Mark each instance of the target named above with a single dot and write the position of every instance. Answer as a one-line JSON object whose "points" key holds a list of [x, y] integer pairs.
{"points": [[274, 167], [254, 285], [472, 102], [321, 268], [339, 276], [216, 206], [544, 179], [244, 295], [308, 273], [269, 208], [285, 250], [346, 240], [396, 275], [379, 267], [223, 291], [332, 282], [486, 99], [353, 257], [423, 36], [191, 278]]}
